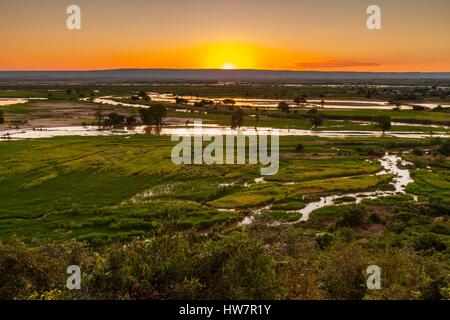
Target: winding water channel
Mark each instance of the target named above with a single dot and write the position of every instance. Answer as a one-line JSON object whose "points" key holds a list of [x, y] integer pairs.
{"points": [[264, 103], [390, 163]]}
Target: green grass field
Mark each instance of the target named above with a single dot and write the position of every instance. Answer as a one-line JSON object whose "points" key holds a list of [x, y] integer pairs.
{"points": [[120, 187], [143, 228]]}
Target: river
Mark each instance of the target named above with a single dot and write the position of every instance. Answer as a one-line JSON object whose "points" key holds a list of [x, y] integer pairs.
{"points": [[390, 163], [207, 129]]}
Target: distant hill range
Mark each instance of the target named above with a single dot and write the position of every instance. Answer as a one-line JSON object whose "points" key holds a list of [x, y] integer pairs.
{"points": [[208, 75]]}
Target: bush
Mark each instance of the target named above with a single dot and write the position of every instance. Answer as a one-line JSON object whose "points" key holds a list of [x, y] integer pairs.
{"points": [[418, 108], [440, 228], [429, 241], [444, 149], [375, 153], [27, 272], [398, 227], [283, 106], [299, 148], [324, 240], [375, 218], [343, 273], [316, 120], [353, 217]]}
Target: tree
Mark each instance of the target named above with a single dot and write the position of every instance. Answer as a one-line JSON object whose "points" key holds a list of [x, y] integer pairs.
{"points": [[99, 115], [298, 100], [257, 116], [316, 120], [384, 123], [144, 96], [299, 148], [444, 149], [283, 106], [114, 119], [229, 102], [418, 108], [352, 217], [179, 100], [2, 117], [203, 103], [130, 120], [237, 119], [153, 115], [439, 108]]}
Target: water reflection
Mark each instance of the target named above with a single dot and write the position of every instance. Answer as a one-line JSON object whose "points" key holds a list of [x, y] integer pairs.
{"points": [[390, 163], [13, 101], [207, 129]]}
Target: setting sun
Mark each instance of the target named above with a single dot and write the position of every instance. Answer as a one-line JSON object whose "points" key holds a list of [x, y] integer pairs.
{"points": [[227, 56], [228, 66]]}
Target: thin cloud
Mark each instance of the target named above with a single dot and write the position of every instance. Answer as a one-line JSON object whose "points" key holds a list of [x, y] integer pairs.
{"points": [[335, 64]]}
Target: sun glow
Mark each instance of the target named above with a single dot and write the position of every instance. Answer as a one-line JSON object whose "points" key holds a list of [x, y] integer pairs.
{"points": [[228, 56], [228, 66]]}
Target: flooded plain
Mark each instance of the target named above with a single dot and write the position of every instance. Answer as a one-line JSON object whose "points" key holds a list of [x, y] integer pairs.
{"points": [[391, 165], [264, 103], [207, 129], [13, 101]]}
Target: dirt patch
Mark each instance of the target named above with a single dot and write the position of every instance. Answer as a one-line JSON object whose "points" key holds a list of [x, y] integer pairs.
{"points": [[58, 114], [308, 190], [368, 230]]}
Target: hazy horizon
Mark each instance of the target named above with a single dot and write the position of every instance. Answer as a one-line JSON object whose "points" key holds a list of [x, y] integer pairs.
{"points": [[215, 69]]}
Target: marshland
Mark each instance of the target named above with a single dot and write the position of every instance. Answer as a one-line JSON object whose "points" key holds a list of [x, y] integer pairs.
{"points": [[364, 179]]}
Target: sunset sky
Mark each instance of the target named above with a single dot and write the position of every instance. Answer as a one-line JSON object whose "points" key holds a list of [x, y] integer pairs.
{"points": [[245, 34]]}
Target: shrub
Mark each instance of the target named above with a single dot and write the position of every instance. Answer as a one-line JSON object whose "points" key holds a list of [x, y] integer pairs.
{"points": [[283, 106], [444, 149], [375, 218], [324, 240], [353, 217], [299, 148], [343, 273], [429, 241], [418, 108], [316, 120], [440, 228]]}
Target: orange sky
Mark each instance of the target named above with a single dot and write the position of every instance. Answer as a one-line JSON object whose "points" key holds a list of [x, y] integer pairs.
{"points": [[245, 34]]}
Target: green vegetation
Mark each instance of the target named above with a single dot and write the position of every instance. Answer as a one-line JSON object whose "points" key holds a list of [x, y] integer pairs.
{"points": [[237, 119], [283, 107], [384, 123], [316, 120], [141, 227], [153, 115]]}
